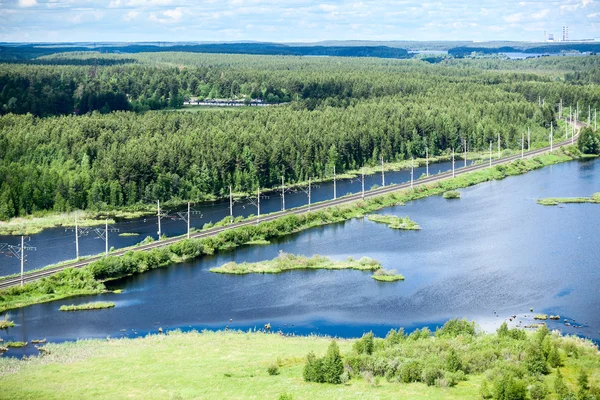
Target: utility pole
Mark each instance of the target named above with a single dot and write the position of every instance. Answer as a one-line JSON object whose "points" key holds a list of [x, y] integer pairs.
{"points": [[595, 126], [589, 114], [19, 253], [363, 183], [230, 205], [282, 194], [412, 171], [453, 163], [571, 119], [528, 139], [78, 233], [427, 161], [566, 129], [382, 173], [258, 205], [551, 134], [309, 193], [334, 185], [160, 214], [490, 153], [560, 109], [103, 234], [187, 217]]}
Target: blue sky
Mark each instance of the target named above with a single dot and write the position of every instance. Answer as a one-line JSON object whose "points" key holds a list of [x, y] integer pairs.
{"points": [[294, 21]]}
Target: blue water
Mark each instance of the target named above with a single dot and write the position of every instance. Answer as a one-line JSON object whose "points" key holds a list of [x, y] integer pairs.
{"points": [[485, 257]]}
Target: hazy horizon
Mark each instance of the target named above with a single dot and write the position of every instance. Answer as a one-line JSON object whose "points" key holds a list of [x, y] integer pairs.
{"points": [[296, 21]]}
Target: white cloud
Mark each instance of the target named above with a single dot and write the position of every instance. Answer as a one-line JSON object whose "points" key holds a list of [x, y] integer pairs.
{"points": [[130, 15], [594, 15], [27, 3], [514, 18], [541, 14], [168, 16]]}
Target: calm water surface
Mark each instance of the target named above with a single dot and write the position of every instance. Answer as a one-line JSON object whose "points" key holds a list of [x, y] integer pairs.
{"points": [[56, 244], [489, 255]]}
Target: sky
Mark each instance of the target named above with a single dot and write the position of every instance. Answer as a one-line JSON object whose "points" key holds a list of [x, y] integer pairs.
{"points": [[294, 21]]}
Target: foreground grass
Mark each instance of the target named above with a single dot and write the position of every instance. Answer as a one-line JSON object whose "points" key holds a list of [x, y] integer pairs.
{"points": [[88, 280], [98, 305], [233, 365], [289, 262], [395, 222], [383, 275], [554, 201]]}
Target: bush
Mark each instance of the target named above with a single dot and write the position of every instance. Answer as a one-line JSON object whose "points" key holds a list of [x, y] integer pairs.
{"points": [[554, 358], [312, 369], [535, 361], [273, 369], [538, 391], [285, 396], [453, 361], [589, 141], [332, 364], [365, 344], [411, 371], [456, 327], [431, 375], [508, 387]]}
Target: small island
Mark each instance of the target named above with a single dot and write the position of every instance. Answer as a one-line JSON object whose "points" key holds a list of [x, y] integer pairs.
{"points": [[128, 234], [288, 262], [395, 222], [5, 324], [99, 305], [390, 275], [452, 194], [554, 201]]}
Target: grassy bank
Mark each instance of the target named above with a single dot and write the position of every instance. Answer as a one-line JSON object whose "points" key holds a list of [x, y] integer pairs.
{"points": [[453, 364], [5, 324], [554, 201], [134, 262], [98, 305], [395, 222], [452, 194], [289, 262]]}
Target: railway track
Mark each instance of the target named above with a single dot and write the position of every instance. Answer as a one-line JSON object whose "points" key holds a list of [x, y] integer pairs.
{"points": [[6, 283]]}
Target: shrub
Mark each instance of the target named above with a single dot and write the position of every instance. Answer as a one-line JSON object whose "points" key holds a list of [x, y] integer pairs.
{"points": [[508, 387], [453, 361], [456, 327], [411, 371], [332, 364], [538, 391], [452, 194], [365, 344], [312, 369], [273, 369], [554, 358], [535, 361], [285, 396], [431, 374], [560, 387], [484, 390]]}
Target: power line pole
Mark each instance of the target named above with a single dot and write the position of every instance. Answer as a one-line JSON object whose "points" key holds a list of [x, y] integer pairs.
{"points": [[187, 217], [19, 253], [571, 119], [595, 126], [427, 161], [258, 205], [230, 205], [160, 214], [560, 109], [453, 163], [382, 173], [551, 134], [334, 184], [282, 194], [78, 233], [309, 193], [589, 114], [363, 183], [465, 144], [528, 139], [490, 153], [103, 234]]}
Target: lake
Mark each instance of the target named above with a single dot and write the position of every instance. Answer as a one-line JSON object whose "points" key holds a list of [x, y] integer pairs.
{"points": [[485, 257]]}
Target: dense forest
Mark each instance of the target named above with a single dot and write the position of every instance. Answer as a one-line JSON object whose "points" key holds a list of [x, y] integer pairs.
{"points": [[342, 112]]}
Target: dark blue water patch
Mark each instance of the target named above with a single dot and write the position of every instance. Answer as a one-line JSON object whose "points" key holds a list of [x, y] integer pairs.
{"points": [[491, 254]]}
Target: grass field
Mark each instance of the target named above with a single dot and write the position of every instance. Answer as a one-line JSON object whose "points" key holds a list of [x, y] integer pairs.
{"points": [[233, 365], [212, 365]]}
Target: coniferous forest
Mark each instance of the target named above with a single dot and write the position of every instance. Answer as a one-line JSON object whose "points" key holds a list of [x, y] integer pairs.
{"points": [[94, 131]]}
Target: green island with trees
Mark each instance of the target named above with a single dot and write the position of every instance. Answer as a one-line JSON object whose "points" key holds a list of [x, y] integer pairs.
{"points": [[290, 262], [456, 361], [97, 305]]}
